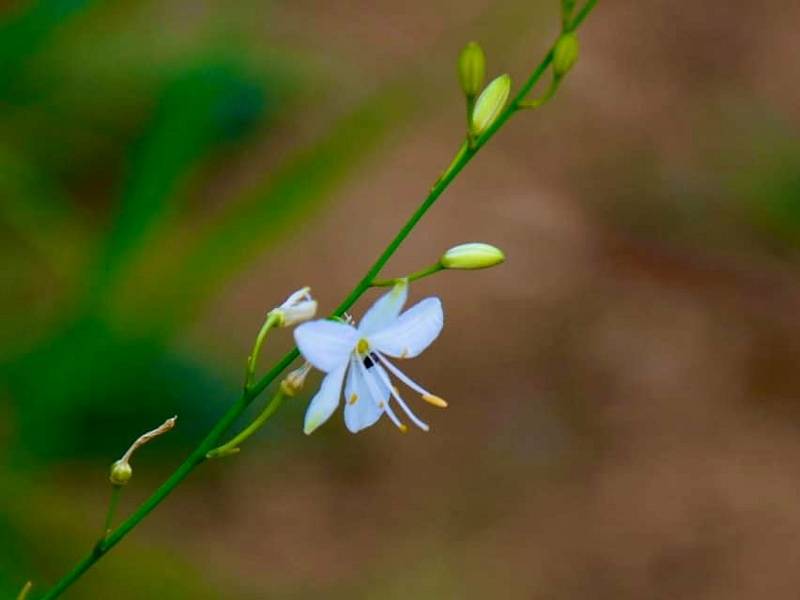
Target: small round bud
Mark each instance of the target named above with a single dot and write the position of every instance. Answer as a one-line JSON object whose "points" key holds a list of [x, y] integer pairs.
{"points": [[121, 473], [471, 69], [565, 54], [489, 104], [475, 255]]}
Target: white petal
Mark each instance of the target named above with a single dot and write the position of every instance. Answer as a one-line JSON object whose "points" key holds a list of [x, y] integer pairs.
{"points": [[325, 401], [385, 310], [361, 408], [326, 344], [411, 332]]}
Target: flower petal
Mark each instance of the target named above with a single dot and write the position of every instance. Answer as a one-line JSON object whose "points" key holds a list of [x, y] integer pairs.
{"points": [[326, 344], [385, 310], [361, 408], [325, 401], [411, 332]]}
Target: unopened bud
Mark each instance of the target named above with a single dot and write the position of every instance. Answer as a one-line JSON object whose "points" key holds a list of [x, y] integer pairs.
{"points": [[474, 255], [121, 472], [489, 104], [471, 69], [565, 54], [295, 380], [298, 307]]}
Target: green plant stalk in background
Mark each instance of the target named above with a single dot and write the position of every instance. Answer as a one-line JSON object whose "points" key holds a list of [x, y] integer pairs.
{"points": [[250, 393]]}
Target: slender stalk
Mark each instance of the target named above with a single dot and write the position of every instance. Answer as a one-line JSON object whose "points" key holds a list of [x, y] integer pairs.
{"points": [[23, 593], [116, 491], [415, 276], [198, 455], [252, 360], [232, 446]]}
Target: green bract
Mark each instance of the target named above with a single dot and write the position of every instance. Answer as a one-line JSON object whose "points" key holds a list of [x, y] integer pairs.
{"points": [[475, 255], [489, 104], [471, 69]]}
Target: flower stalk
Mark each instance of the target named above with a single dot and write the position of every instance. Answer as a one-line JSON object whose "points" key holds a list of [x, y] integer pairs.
{"points": [[198, 455]]}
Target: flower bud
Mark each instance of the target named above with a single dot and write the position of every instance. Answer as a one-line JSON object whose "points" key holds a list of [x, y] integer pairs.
{"points": [[472, 69], [295, 380], [489, 104], [565, 54], [298, 307], [121, 472], [475, 255]]}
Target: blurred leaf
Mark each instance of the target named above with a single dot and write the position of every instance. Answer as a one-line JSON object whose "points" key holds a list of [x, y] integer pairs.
{"points": [[200, 109], [31, 550], [24, 33]]}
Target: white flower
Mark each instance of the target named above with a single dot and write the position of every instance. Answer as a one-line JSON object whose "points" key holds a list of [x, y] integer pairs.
{"points": [[361, 353]]}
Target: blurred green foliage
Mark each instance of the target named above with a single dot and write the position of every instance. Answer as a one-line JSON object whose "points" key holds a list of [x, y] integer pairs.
{"points": [[105, 129]]}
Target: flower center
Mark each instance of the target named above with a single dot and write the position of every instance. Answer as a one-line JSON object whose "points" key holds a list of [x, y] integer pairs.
{"points": [[362, 347]]}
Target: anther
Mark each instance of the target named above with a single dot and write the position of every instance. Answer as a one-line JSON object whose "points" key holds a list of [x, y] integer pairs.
{"points": [[352, 399], [434, 400]]}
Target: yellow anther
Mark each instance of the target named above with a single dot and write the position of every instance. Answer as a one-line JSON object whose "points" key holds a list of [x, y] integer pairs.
{"points": [[435, 400], [352, 399], [403, 428], [363, 346], [381, 404]]}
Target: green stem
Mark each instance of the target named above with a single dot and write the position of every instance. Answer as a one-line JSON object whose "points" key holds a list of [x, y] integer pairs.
{"points": [[23, 593], [116, 491], [537, 102], [435, 268], [271, 320], [232, 447], [212, 439]]}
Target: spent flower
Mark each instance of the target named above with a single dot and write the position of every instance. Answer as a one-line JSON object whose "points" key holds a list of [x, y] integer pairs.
{"points": [[298, 307]]}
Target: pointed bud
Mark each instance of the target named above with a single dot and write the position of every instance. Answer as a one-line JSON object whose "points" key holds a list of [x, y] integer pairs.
{"points": [[298, 307], [471, 69], [121, 472], [489, 104], [472, 256], [565, 54], [295, 380]]}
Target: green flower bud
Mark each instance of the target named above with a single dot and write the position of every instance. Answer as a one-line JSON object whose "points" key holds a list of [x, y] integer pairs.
{"points": [[489, 104], [121, 472], [472, 256], [472, 69], [565, 54]]}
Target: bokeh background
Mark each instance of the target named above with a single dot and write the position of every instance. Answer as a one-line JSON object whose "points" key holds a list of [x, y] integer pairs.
{"points": [[624, 392]]}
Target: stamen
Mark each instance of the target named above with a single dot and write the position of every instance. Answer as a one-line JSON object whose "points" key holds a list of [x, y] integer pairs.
{"points": [[376, 394], [403, 377], [417, 421], [434, 400], [352, 399]]}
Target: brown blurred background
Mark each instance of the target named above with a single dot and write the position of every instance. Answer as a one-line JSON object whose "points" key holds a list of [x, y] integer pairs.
{"points": [[624, 392]]}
